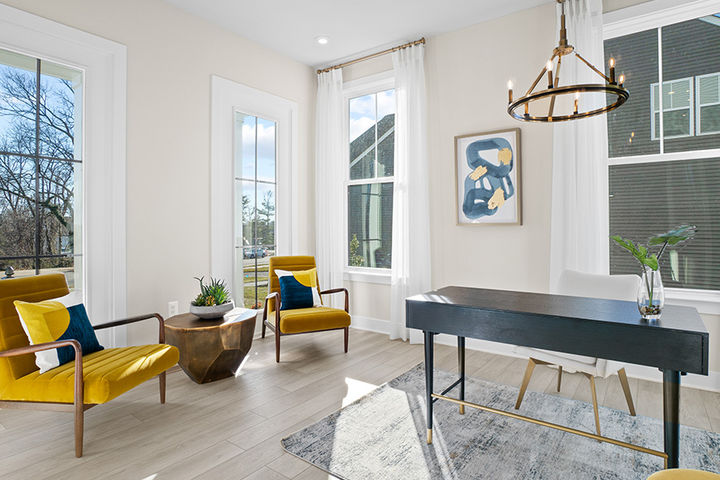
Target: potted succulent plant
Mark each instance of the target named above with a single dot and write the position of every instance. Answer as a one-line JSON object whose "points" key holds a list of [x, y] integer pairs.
{"points": [[651, 295], [213, 301]]}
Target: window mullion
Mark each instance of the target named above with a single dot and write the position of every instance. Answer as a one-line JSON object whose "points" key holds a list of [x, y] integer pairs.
{"points": [[37, 167], [660, 93], [255, 217]]}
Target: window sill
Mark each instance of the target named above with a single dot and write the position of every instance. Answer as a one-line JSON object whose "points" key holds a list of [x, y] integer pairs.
{"points": [[367, 275], [706, 301]]}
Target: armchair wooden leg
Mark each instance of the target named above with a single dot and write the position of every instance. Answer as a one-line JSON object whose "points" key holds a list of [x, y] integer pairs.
{"points": [[559, 377], [162, 378], [526, 380], [595, 402], [79, 427], [626, 389], [277, 345], [347, 332], [264, 326]]}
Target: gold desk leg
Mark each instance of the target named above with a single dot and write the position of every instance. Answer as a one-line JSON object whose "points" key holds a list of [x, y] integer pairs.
{"points": [[462, 409], [429, 436]]}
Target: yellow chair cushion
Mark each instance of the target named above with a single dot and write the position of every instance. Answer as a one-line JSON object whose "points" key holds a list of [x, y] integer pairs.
{"points": [[312, 319], [682, 474], [107, 374]]}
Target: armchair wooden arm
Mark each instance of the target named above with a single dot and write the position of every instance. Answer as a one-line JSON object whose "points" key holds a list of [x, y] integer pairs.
{"points": [[338, 290], [117, 323], [276, 297], [79, 395]]}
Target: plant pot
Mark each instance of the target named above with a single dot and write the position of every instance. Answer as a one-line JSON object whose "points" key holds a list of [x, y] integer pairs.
{"points": [[215, 311], [651, 295]]}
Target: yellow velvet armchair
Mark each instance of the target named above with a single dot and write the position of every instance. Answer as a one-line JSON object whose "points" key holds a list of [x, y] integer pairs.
{"points": [[300, 320], [75, 386]]}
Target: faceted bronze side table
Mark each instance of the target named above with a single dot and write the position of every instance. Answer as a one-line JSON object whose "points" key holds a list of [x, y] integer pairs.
{"points": [[211, 349]]}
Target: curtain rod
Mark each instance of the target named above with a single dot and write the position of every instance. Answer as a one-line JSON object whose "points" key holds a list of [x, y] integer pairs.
{"points": [[373, 55]]}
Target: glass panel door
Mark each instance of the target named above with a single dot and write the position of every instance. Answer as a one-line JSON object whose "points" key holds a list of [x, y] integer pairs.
{"points": [[255, 199]]}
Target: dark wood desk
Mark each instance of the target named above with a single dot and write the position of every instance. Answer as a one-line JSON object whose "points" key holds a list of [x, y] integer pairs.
{"points": [[610, 329]]}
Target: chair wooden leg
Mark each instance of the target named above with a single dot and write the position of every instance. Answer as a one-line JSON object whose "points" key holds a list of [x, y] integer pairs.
{"points": [[626, 389], [595, 402], [264, 326], [79, 427], [277, 346], [526, 380], [347, 333], [162, 379], [559, 377]]}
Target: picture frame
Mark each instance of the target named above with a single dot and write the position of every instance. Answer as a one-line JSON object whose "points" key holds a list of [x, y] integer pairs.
{"points": [[487, 178]]}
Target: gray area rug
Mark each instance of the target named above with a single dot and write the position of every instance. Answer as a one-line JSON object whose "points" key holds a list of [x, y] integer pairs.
{"points": [[382, 436]]}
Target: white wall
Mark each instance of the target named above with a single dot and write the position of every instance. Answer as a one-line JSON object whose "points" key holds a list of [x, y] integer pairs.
{"points": [[170, 57], [467, 72]]}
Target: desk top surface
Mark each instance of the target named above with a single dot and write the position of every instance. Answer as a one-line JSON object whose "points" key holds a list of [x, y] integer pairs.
{"points": [[617, 312]]}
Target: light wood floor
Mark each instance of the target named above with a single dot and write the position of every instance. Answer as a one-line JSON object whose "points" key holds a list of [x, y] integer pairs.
{"points": [[232, 428]]}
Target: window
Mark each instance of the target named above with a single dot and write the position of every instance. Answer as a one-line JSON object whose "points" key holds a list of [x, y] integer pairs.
{"points": [[664, 168], [708, 104], [255, 184], [677, 108], [371, 149], [40, 167]]}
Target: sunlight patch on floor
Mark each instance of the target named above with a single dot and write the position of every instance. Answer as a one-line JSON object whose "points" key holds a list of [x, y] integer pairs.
{"points": [[356, 389]]}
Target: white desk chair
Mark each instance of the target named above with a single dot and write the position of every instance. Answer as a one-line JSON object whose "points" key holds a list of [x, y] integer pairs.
{"points": [[616, 287]]}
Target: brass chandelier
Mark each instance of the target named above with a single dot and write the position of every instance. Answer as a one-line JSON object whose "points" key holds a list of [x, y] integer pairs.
{"points": [[614, 92]]}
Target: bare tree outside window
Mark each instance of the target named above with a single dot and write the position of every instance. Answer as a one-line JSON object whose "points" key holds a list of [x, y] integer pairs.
{"points": [[39, 118]]}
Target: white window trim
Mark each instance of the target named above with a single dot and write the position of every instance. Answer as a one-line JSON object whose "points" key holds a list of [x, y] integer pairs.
{"points": [[690, 108], [654, 14], [357, 88], [648, 16], [105, 66], [228, 97], [699, 106]]}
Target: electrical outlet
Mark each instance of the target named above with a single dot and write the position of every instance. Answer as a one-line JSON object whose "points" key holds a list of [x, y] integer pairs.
{"points": [[173, 308]]}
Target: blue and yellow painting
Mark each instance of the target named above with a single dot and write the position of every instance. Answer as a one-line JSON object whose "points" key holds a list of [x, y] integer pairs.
{"points": [[489, 179]]}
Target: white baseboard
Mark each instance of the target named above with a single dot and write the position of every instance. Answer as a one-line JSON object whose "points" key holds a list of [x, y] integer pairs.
{"points": [[370, 324], [710, 382]]}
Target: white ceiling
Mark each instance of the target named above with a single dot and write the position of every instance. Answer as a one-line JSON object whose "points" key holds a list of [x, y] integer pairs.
{"points": [[291, 26]]}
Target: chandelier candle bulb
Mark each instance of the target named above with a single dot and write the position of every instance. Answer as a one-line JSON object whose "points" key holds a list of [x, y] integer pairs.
{"points": [[549, 68], [577, 97], [510, 92], [622, 79], [612, 70]]}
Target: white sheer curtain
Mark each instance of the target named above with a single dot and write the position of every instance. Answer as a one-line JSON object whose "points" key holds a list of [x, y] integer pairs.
{"points": [[411, 223], [579, 228], [329, 171]]}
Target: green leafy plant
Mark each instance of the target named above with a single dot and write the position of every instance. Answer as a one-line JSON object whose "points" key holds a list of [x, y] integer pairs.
{"points": [[651, 260], [215, 293], [355, 259]]}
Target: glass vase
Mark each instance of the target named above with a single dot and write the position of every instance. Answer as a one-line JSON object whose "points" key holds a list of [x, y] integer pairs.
{"points": [[651, 295]]}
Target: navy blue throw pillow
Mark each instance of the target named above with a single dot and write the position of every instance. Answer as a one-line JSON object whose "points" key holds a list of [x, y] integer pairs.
{"points": [[80, 329], [294, 294]]}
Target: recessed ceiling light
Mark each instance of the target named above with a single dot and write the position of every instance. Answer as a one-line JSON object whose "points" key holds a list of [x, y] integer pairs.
{"points": [[322, 40]]}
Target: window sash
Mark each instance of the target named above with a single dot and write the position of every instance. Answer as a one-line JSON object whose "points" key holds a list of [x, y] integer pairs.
{"points": [[649, 17], [353, 89]]}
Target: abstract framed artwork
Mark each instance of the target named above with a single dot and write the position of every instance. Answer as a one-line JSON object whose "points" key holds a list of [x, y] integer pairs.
{"points": [[487, 171]]}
